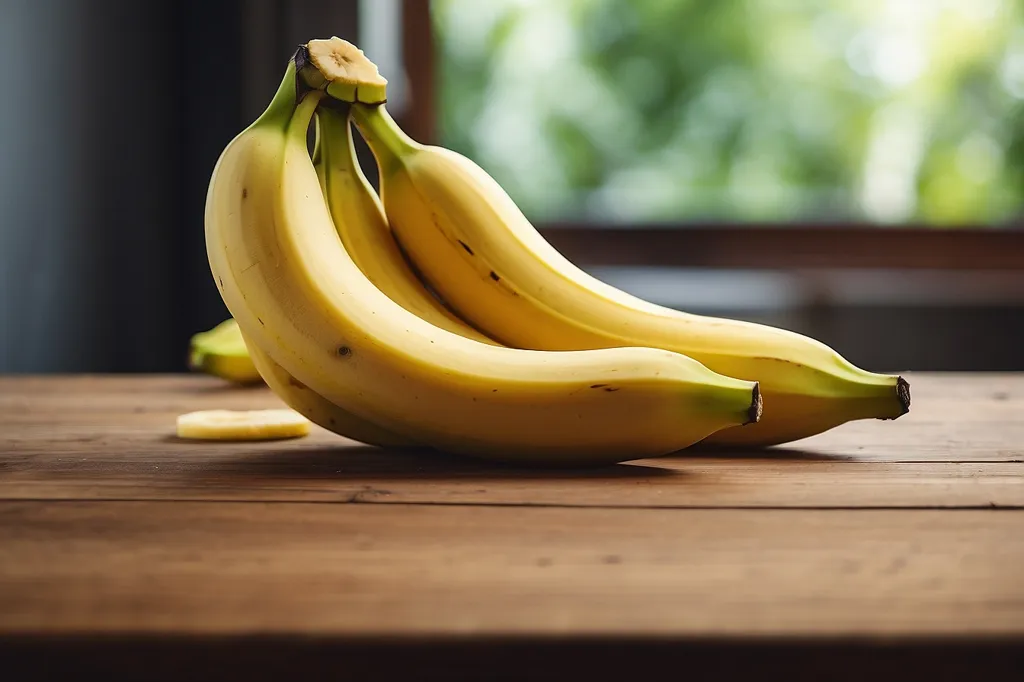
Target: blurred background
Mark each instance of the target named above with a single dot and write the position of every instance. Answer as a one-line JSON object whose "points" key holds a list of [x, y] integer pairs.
{"points": [[849, 169]]}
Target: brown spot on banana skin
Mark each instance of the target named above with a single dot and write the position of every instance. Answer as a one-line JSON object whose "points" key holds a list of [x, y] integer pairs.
{"points": [[345, 351], [611, 389], [245, 193], [261, 322], [598, 385], [466, 247], [494, 276]]}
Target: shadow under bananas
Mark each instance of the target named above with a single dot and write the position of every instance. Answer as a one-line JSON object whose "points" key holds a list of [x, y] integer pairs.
{"points": [[362, 462], [317, 464], [775, 453]]}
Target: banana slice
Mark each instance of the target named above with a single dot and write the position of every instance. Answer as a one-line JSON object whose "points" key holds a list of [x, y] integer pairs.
{"points": [[242, 425]]}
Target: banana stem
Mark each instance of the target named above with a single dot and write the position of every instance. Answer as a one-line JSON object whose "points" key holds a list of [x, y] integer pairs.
{"points": [[292, 90], [334, 125], [283, 104], [302, 115], [386, 139]]}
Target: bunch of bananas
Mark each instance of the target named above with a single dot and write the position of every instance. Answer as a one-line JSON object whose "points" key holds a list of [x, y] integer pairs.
{"points": [[435, 315]]}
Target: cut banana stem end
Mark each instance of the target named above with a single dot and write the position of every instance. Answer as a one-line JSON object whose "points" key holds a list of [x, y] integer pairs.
{"points": [[341, 68]]}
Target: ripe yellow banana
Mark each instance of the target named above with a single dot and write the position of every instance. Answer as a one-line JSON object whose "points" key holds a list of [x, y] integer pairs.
{"points": [[225, 352], [361, 224], [318, 409], [363, 228], [472, 244], [295, 291]]}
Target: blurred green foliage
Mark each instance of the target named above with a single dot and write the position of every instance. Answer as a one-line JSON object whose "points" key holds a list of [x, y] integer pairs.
{"points": [[884, 111]]}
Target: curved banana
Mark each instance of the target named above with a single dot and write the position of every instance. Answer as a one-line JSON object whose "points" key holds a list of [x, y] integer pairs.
{"points": [[318, 409], [475, 247], [363, 228], [225, 352], [285, 275]]}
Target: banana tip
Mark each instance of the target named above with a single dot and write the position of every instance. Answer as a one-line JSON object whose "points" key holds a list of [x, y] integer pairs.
{"points": [[903, 393], [756, 406]]}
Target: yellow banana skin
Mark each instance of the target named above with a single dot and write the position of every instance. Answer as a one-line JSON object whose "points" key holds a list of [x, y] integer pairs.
{"points": [[295, 291], [475, 247], [318, 409], [363, 228], [225, 352]]}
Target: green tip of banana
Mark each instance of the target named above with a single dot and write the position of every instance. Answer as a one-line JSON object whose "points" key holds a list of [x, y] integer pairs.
{"points": [[221, 352]]}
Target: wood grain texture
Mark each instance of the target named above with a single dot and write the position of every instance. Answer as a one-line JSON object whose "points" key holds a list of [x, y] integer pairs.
{"points": [[962, 445], [874, 550], [406, 570], [351, 474]]}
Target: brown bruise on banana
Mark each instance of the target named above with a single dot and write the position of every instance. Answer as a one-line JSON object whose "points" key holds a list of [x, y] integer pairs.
{"points": [[344, 351], [478, 265], [411, 264], [495, 277]]}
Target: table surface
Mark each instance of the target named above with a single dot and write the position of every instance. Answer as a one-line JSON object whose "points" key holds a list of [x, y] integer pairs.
{"points": [[123, 549]]}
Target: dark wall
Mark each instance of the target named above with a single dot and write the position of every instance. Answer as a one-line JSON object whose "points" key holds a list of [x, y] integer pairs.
{"points": [[112, 118]]}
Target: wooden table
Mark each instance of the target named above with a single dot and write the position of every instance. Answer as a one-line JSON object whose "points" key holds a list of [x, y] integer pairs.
{"points": [[879, 548]]}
